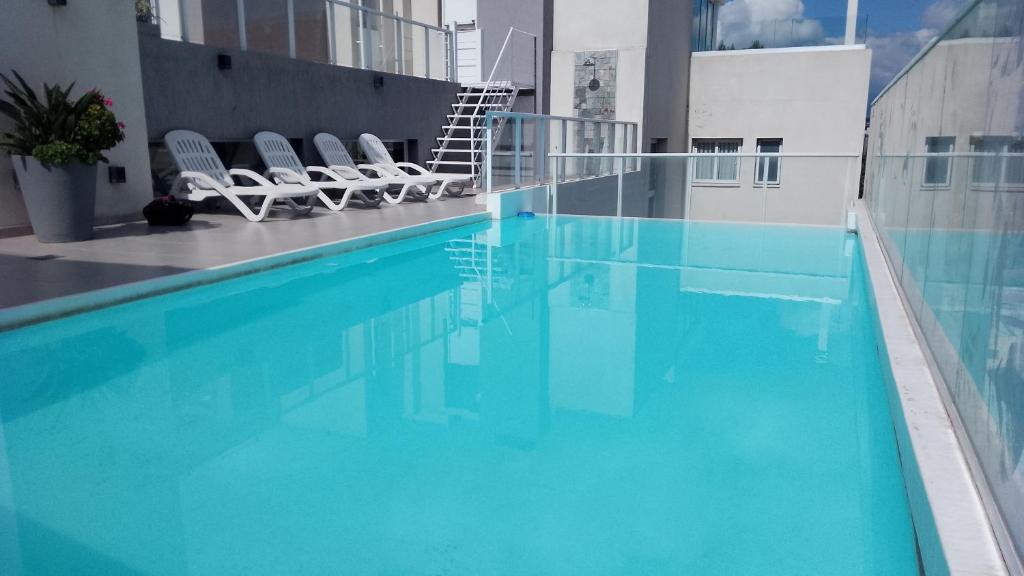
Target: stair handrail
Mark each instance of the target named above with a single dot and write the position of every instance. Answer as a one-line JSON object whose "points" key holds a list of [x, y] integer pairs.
{"points": [[490, 83], [483, 95]]}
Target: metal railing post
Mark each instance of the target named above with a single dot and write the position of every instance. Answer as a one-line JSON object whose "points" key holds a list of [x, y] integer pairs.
{"points": [[426, 53], [362, 39], [488, 153], [764, 188], [517, 145], [399, 48], [332, 48], [291, 28], [541, 152], [688, 190], [183, 17], [618, 198], [453, 48], [553, 189], [565, 144], [243, 42]]}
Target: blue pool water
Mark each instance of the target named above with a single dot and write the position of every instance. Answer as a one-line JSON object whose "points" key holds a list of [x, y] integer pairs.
{"points": [[571, 396]]}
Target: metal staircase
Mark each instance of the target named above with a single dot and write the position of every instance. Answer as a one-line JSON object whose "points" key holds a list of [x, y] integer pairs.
{"points": [[461, 144], [460, 148]]}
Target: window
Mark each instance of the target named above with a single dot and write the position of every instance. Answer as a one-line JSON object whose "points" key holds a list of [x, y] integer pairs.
{"points": [[768, 168], [716, 169], [1001, 161], [937, 169]]}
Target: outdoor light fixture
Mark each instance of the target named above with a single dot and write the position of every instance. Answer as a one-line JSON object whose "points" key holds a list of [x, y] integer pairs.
{"points": [[378, 81], [594, 82], [57, 2], [116, 174], [223, 62]]}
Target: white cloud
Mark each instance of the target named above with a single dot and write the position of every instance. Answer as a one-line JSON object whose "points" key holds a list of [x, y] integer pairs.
{"points": [[940, 13], [770, 22], [891, 52]]}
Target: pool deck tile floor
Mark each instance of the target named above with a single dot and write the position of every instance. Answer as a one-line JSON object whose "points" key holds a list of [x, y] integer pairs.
{"points": [[134, 251]]}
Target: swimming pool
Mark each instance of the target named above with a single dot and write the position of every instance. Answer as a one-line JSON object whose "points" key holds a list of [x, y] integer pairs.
{"points": [[553, 396]]}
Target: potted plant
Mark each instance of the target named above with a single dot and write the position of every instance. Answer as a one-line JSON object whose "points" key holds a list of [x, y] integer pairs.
{"points": [[55, 144]]}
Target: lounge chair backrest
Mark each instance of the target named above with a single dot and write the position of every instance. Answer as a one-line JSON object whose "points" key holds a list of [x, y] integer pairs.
{"points": [[374, 150], [332, 150], [192, 152], [277, 152]]}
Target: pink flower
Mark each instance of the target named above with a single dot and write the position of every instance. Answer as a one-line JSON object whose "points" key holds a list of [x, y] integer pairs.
{"points": [[108, 102], [120, 125]]}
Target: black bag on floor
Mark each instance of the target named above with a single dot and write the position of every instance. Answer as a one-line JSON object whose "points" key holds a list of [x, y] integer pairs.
{"points": [[167, 211]]}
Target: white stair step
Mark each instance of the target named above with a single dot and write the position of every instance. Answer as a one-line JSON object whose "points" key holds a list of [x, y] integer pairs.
{"points": [[472, 139], [455, 150], [452, 162]]}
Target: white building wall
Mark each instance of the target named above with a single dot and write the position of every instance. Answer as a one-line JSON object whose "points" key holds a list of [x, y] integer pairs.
{"points": [[94, 44], [600, 25], [814, 99]]}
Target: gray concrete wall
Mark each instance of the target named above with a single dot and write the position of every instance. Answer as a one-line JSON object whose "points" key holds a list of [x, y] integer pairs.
{"points": [[93, 44], [667, 73], [184, 89], [494, 17], [666, 97]]}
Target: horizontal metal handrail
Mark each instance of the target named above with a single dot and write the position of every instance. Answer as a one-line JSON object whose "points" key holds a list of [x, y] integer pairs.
{"points": [[955, 155], [390, 16], [697, 155], [498, 114]]}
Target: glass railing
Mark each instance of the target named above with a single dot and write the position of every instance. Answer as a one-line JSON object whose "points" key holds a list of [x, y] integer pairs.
{"points": [[788, 32], [518, 147], [327, 31], [764, 188], [945, 187]]}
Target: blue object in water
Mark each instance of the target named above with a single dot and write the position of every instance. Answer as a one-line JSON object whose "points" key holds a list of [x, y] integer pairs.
{"points": [[595, 396], [527, 215]]}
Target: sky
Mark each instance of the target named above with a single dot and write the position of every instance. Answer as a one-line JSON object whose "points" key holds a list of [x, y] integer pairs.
{"points": [[896, 29]]}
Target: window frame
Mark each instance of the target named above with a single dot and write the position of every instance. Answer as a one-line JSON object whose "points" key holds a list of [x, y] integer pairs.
{"points": [[766, 162], [932, 160], [1003, 146], [716, 165]]}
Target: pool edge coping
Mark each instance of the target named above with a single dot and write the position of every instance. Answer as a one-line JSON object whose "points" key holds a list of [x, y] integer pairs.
{"points": [[52, 309], [954, 532]]}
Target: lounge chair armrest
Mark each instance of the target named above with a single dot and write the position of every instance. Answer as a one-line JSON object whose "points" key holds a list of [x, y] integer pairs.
{"points": [[251, 176], [414, 167], [331, 174], [285, 175], [201, 177], [347, 172], [382, 169]]}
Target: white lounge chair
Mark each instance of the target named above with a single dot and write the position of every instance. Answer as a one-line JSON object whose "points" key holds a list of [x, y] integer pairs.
{"points": [[338, 159], [284, 167], [203, 175], [376, 153]]}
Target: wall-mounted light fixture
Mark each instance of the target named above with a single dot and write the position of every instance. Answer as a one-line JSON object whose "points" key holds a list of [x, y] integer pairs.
{"points": [[223, 61], [594, 82], [378, 81], [57, 2], [116, 174]]}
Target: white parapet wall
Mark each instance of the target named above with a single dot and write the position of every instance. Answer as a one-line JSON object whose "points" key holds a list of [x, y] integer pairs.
{"points": [[813, 100]]}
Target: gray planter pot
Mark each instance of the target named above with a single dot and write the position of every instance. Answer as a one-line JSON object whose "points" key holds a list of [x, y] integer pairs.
{"points": [[61, 201]]}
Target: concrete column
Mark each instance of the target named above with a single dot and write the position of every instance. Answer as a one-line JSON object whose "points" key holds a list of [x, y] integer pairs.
{"points": [[851, 22]]}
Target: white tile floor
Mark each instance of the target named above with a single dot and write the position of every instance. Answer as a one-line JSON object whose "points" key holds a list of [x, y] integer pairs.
{"points": [[122, 253]]}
